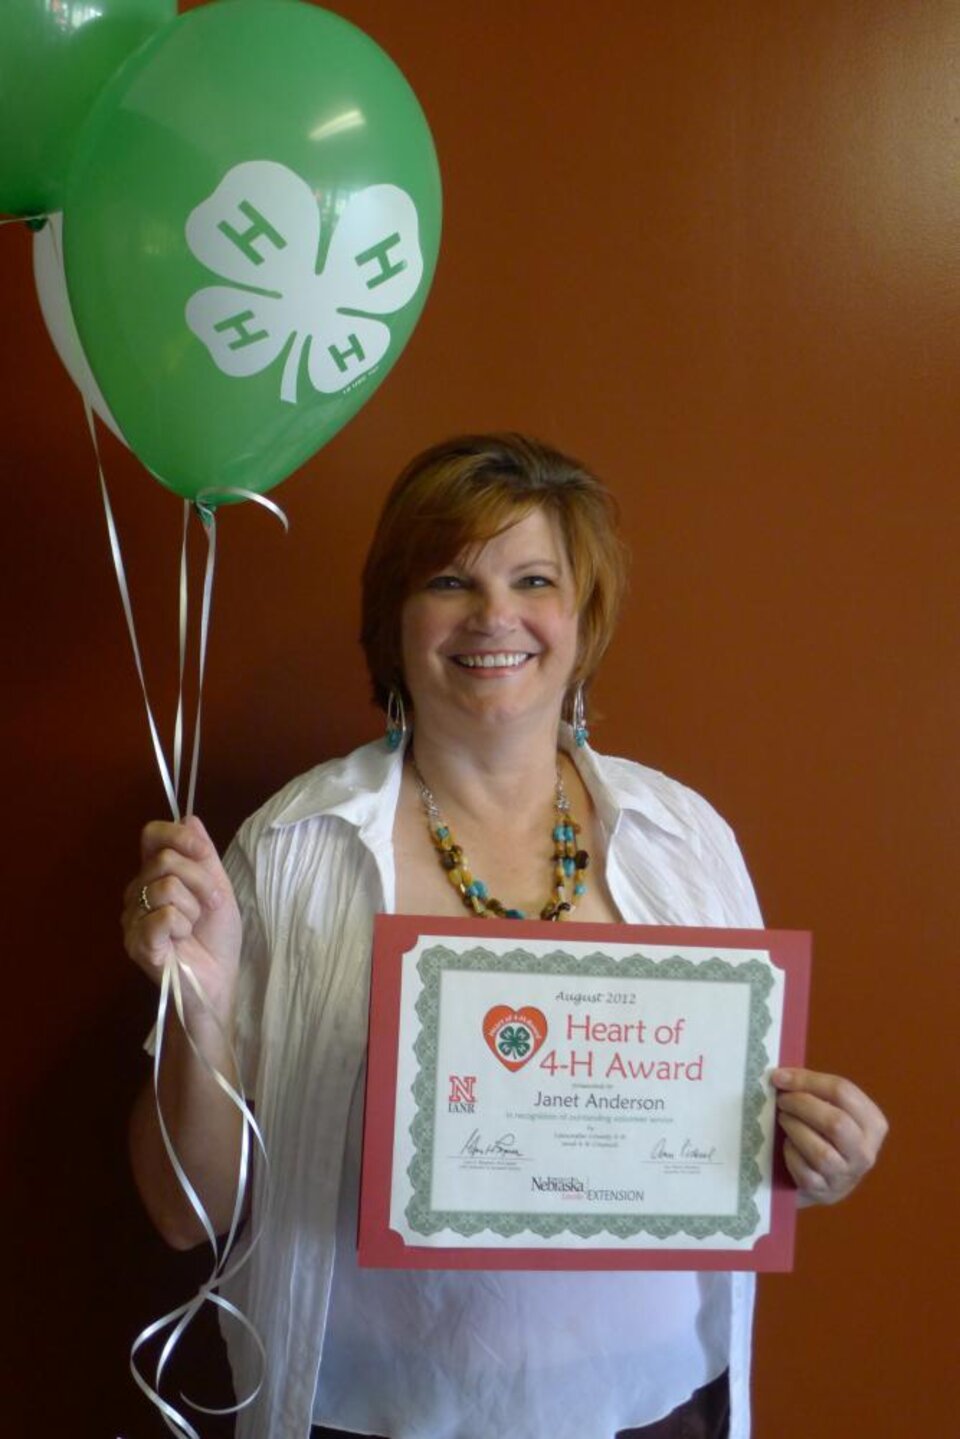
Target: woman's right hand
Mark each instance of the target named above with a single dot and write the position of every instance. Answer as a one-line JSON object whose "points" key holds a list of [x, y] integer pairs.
{"points": [[182, 904]]}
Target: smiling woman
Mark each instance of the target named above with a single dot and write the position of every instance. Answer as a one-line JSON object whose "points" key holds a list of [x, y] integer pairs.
{"points": [[490, 593]]}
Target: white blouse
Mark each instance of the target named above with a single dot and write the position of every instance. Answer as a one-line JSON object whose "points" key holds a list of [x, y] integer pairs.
{"points": [[430, 1354]]}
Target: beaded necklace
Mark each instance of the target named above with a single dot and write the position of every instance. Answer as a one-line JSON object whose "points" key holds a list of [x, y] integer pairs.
{"points": [[569, 862]]}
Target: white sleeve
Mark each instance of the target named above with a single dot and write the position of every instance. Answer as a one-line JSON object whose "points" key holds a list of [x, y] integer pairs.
{"points": [[254, 962], [724, 862]]}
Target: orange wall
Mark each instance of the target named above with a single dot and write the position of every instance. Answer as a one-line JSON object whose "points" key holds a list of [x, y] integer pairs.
{"points": [[711, 247]]}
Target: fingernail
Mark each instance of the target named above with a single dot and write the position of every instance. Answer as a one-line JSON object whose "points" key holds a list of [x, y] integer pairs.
{"points": [[782, 1077]]}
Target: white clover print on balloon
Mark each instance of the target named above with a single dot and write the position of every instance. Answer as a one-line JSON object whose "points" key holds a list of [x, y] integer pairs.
{"points": [[260, 230]]}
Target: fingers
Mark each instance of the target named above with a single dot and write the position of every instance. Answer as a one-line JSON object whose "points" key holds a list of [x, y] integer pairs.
{"points": [[181, 880], [833, 1132], [810, 1184], [836, 1106], [168, 877], [187, 837], [151, 941], [818, 1169], [167, 890]]}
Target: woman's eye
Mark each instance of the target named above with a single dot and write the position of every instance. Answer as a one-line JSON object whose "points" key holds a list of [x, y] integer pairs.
{"points": [[445, 582], [535, 582]]}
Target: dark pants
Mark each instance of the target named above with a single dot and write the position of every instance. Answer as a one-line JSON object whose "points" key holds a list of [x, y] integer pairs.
{"points": [[706, 1415]]}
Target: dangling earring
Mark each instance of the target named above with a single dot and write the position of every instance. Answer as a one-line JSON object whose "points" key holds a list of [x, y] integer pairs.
{"points": [[396, 720], [580, 732]]}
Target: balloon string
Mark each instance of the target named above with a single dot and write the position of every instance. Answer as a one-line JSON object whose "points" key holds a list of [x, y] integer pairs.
{"points": [[206, 501], [207, 520], [180, 1318], [116, 553], [175, 970], [181, 650], [34, 221], [203, 506]]}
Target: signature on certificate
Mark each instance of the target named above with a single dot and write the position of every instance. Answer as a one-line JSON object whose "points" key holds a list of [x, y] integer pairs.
{"points": [[506, 1144], [687, 1150]]}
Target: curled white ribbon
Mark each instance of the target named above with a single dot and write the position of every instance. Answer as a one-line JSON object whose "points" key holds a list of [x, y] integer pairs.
{"points": [[175, 969], [179, 1319]]}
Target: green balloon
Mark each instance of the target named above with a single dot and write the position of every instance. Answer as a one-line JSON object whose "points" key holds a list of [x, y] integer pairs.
{"points": [[250, 231], [55, 58]]}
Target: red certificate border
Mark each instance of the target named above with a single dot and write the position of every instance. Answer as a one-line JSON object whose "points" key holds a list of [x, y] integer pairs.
{"points": [[381, 1247]]}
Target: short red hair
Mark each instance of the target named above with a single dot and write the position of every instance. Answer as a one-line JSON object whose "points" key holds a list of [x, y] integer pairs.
{"points": [[463, 492]]}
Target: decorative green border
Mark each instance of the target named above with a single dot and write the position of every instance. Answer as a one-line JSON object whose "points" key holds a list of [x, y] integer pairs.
{"points": [[434, 961]]}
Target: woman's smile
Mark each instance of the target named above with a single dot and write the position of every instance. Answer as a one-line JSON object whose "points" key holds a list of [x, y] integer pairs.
{"points": [[496, 661]]}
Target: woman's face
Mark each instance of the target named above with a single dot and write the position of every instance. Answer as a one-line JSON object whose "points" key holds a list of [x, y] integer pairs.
{"points": [[493, 636]]}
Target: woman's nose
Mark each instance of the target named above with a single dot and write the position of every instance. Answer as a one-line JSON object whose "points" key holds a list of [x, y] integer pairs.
{"points": [[493, 610]]}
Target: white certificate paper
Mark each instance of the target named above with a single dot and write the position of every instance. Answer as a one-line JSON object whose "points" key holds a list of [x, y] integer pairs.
{"points": [[576, 1096]]}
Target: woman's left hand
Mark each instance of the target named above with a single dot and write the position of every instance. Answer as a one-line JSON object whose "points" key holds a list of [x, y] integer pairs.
{"points": [[833, 1132]]}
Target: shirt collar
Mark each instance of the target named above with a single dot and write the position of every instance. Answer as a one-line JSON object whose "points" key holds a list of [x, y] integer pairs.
{"points": [[363, 789], [619, 786]]}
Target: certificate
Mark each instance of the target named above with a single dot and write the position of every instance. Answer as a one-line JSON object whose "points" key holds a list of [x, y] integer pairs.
{"points": [[578, 1096]]}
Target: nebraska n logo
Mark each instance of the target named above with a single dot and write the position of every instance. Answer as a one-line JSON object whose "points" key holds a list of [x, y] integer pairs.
{"points": [[462, 1094]]}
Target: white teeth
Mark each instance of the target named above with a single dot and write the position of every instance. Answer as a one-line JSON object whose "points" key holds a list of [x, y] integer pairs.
{"points": [[492, 661]]}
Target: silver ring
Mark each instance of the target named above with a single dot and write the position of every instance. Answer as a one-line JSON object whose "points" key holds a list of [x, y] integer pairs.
{"points": [[145, 904]]}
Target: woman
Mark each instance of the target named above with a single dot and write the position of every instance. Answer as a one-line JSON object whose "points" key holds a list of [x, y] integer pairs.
{"points": [[490, 594]]}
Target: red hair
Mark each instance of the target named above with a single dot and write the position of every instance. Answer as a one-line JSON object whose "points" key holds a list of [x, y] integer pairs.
{"points": [[463, 492]]}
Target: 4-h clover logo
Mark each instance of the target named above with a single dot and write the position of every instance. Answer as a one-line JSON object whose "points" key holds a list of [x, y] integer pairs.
{"points": [[514, 1034], [260, 230], [513, 1041]]}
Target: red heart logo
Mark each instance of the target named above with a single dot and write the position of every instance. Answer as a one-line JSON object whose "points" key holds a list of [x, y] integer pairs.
{"points": [[514, 1035]]}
